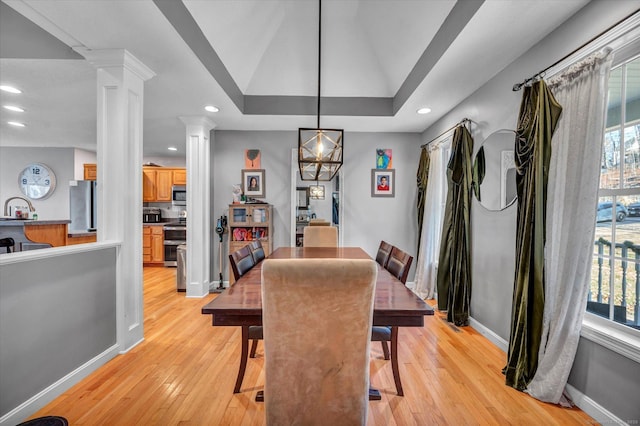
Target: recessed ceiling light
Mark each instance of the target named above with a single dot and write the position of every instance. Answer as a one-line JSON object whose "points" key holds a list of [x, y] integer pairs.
{"points": [[172, 148], [10, 89], [424, 110], [15, 123], [13, 108], [212, 108]]}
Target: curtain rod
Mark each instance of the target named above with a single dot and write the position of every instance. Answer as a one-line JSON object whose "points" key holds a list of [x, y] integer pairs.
{"points": [[539, 74], [461, 122]]}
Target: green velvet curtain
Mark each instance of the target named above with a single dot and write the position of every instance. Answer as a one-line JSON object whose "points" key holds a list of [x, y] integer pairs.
{"points": [[422, 177], [538, 117], [454, 264], [479, 171]]}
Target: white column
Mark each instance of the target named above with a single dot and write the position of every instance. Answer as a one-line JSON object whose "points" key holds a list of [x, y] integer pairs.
{"points": [[120, 82], [198, 205]]}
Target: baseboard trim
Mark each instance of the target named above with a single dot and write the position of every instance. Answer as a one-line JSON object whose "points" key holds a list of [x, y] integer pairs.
{"points": [[592, 408], [582, 401], [36, 402], [489, 334]]}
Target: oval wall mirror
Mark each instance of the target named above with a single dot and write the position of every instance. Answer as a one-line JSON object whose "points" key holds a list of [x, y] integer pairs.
{"points": [[497, 185]]}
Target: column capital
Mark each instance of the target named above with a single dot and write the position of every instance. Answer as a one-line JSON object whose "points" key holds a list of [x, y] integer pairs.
{"points": [[112, 58], [198, 120]]}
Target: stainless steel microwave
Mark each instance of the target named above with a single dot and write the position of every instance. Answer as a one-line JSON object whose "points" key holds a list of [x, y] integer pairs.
{"points": [[179, 195]]}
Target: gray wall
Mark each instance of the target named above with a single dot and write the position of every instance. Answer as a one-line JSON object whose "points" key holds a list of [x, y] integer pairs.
{"points": [[53, 319], [60, 160], [495, 106], [367, 220]]}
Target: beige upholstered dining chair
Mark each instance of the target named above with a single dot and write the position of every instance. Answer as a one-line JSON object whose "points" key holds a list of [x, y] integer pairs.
{"points": [[318, 222], [306, 301], [320, 236]]}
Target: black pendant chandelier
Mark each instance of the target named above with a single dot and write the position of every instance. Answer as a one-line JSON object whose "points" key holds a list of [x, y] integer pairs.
{"points": [[319, 150]]}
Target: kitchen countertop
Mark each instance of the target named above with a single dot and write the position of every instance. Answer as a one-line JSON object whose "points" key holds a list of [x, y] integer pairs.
{"points": [[30, 222]]}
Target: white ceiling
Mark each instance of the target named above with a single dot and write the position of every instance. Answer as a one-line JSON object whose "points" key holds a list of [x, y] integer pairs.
{"points": [[381, 61]]}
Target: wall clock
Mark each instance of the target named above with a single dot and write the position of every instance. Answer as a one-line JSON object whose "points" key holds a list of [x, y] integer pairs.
{"points": [[37, 181]]}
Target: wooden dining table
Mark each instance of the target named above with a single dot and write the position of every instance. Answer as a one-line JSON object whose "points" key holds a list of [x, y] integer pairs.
{"points": [[394, 304]]}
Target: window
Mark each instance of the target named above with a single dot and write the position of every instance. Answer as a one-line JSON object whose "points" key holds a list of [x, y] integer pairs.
{"points": [[615, 276]]}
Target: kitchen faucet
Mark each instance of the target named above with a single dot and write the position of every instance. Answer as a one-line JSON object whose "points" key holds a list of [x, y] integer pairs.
{"points": [[6, 204]]}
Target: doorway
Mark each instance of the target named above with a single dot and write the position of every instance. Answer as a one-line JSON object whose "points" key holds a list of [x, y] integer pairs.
{"points": [[317, 200]]}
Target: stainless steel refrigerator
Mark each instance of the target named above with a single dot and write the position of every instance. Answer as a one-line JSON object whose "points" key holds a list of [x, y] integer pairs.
{"points": [[83, 200]]}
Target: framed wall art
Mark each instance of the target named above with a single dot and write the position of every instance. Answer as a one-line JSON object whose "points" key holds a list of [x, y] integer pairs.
{"points": [[253, 183], [252, 159], [383, 182], [384, 158], [316, 192]]}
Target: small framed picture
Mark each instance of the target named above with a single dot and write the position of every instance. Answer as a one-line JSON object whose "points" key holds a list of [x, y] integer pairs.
{"points": [[383, 182], [316, 192], [253, 184]]}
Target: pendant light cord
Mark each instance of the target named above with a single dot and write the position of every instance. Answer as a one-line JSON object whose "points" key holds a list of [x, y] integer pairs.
{"points": [[319, 56]]}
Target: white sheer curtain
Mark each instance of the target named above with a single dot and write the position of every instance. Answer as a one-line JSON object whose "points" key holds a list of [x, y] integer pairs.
{"points": [[426, 272], [571, 213]]}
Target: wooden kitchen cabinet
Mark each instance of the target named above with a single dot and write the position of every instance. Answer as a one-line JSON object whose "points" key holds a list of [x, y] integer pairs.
{"points": [[157, 182], [83, 239], [148, 184], [152, 244], [179, 176], [164, 181], [54, 234], [90, 171]]}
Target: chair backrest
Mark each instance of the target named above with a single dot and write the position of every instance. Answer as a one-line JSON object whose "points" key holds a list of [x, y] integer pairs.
{"points": [[399, 264], [304, 302], [318, 222], [383, 253], [241, 261], [257, 251], [320, 236]]}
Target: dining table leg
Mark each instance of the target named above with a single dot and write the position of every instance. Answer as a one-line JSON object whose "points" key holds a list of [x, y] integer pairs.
{"points": [[394, 360], [243, 358]]}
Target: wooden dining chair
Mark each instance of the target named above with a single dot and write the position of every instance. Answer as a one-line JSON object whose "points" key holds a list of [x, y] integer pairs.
{"points": [[383, 253], [306, 301], [242, 260], [257, 251], [398, 265], [320, 236]]}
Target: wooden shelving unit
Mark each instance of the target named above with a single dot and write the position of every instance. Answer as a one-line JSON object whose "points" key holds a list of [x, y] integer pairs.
{"points": [[248, 222]]}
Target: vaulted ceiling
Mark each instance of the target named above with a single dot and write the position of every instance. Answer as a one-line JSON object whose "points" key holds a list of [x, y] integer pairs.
{"points": [[257, 60]]}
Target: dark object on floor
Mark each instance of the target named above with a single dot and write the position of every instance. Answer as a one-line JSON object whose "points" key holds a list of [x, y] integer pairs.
{"points": [[8, 243], [46, 421]]}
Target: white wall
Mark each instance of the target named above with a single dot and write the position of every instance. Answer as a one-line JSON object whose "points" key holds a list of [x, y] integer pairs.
{"points": [[168, 161], [60, 160], [323, 209], [57, 323], [367, 220], [80, 158]]}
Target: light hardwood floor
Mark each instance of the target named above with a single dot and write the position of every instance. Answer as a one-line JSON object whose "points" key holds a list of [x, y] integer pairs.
{"points": [[185, 370]]}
